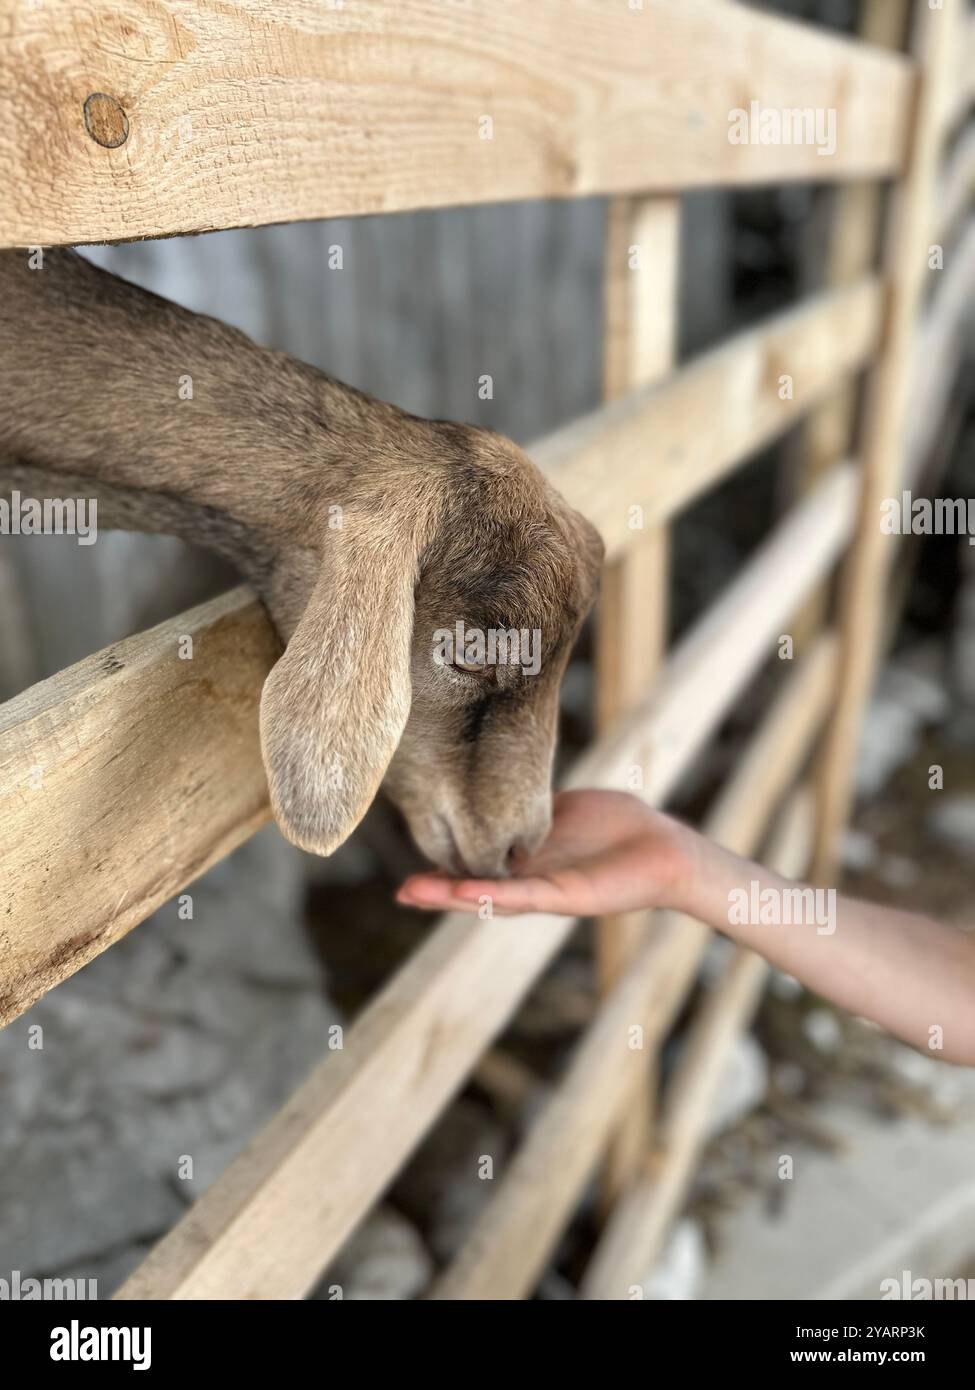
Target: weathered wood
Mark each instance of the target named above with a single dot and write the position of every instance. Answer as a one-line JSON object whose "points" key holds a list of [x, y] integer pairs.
{"points": [[885, 433], [642, 252], [136, 120], [663, 446], [121, 780], [514, 1235], [271, 1222], [633, 1237]]}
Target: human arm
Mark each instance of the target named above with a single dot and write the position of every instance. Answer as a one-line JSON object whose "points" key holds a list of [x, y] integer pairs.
{"points": [[609, 853]]}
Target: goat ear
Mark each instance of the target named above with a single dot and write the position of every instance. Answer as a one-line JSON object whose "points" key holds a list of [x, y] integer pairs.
{"points": [[335, 705]]}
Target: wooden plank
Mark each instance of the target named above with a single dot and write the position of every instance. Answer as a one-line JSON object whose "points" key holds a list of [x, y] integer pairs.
{"points": [[114, 791], [663, 446], [515, 1234], [854, 238], [885, 432], [642, 252], [132, 119], [274, 1219], [634, 1235]]}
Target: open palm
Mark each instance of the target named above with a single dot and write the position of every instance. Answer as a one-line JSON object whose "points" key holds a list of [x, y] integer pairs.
{"points": [[606, 852]]}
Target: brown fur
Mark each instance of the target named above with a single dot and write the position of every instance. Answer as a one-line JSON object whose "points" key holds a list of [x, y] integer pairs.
{"points": [[439, 522]]}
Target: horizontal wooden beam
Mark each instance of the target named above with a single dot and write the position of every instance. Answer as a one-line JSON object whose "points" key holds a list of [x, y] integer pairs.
{"points": [[515, 1234], [270, 1223], [114, 786], [128, 119], [638, 1225], [646, 457]]}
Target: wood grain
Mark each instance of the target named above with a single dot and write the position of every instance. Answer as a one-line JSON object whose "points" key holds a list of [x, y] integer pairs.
{"points": [[258, 112], [121, 780]]}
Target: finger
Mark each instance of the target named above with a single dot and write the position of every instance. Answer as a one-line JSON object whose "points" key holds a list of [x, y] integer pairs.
{"points": [[432, 888], [427, 891], [437, 894], [504, 896], [513, 895]]}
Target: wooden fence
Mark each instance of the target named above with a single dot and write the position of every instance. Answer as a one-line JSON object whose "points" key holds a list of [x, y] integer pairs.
{"points": [[228, 116]]}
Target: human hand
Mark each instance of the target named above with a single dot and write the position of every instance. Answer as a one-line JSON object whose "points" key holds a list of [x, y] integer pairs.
{"points": [[606, 852]]}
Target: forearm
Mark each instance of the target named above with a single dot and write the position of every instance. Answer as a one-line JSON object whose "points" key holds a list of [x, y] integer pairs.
{"points": [[608, 852], [912, 975]]}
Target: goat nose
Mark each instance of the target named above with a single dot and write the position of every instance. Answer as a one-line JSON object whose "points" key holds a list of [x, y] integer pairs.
{"points": [[486, 861], [480, 856], [518, 851], [522, 847]]}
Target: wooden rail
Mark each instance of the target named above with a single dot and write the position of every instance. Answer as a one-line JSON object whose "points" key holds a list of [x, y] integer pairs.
{"points": [[114, 786], [213, 116]]}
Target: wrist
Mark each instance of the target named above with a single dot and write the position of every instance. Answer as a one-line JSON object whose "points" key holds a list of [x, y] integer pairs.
{"points": [[692, 854], [674, 861]]}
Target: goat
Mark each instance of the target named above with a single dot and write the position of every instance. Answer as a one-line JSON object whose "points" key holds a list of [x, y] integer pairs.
{"points": [[365, 531]]}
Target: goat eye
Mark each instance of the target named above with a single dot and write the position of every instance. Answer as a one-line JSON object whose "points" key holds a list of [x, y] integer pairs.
{"points": [[472, 668]]}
